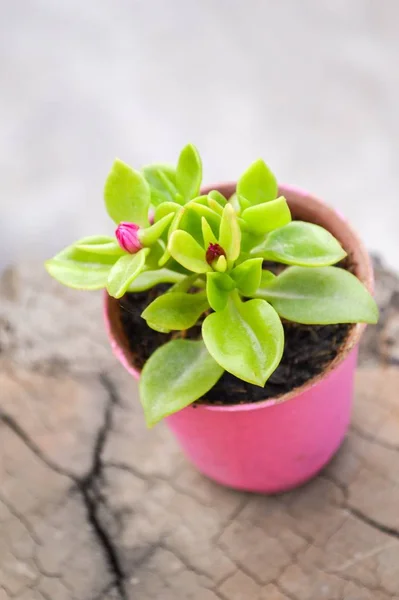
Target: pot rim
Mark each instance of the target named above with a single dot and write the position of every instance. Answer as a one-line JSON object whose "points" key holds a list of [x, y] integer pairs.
{"points": [[363, 270]]}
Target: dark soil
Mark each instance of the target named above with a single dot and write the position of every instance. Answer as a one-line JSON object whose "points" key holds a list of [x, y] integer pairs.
{"points": [[308, 350]]}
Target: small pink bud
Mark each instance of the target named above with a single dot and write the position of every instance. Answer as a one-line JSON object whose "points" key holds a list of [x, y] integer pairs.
{"points": [[127, 236], [151, 215], [213, 252]]}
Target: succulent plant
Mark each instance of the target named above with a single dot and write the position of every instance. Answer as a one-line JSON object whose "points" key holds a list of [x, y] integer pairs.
{"points": [[211, 251]]}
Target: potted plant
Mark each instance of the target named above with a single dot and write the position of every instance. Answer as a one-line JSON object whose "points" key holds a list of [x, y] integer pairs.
{"points": [[226, 305]]}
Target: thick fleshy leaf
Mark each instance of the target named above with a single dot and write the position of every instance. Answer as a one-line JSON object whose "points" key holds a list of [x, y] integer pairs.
{"points": [[323, 295], [175, 311], [203, 199], [266, 278], [185, 284], [245, 338], [235, 203], [249, 240], [189, 172], [207, 234], [162, 181], [217, 197], [191, 221], [215, 206], [218, 286], [124, 271], [183, 247], [303, 244], [155, 253], [210, 215], [80, 269], [150, 235], [247, 276], [267, 216], [173, 227], [220, 264], [127, 195], [100, 244], [244, 203], [176, 375], [164, 209], [230, 233], [147, 279], [257, 184]]}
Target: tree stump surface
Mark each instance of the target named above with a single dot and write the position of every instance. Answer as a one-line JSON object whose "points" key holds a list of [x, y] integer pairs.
{"points": [[93, 506]]}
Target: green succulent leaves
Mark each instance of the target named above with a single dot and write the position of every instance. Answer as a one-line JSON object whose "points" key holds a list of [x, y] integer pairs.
{"points": [[299, 243], [81, 269], [322, 295], [189, 172], [175, 375], [211, 252], [245, 338], [124, 271], [257, 185], [175, 311], [265, 217], [127, 195], [188, 252]]}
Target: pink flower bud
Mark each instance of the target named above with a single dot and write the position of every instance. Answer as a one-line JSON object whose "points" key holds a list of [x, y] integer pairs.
{"points": [[151, 215], [127, 236]]}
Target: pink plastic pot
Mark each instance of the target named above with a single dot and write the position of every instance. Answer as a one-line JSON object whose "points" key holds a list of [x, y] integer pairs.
{"points": [[274, 445]]}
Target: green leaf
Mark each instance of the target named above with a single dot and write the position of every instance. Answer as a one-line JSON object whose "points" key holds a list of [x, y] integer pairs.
{"points": [[218, 286], [323, 295], [150, 235], [176, 310], [257, 184], [176, 375], [166, 208], [220, 264], [207, 234], [230, 233], [217, 197], [266, 278], [185, 284], [124, 271], [173, 227], [245, 338], [127, 195], [247, 276], [265, 217], [250, 240], [243, 203], [203, 199], [189, 172], [154, 255], [215, 206], [81, 269], [99, 244], [235, 203], [147, 279], [303, 244], [162, 181], [210, 215], [183, 247]]}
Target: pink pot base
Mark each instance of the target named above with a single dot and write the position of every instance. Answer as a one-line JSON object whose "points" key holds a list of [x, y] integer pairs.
{"points": [[278, 444]]}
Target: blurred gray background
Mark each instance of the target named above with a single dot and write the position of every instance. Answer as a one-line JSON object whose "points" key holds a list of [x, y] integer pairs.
{"points": [[312, 86]]}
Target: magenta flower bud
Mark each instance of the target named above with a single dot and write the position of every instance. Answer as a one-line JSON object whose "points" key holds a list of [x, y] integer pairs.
{"points": [[127, 236], [213, 252]]}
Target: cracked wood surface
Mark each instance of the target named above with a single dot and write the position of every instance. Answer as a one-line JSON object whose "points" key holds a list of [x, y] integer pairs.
{"points": [[95, 507]]}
